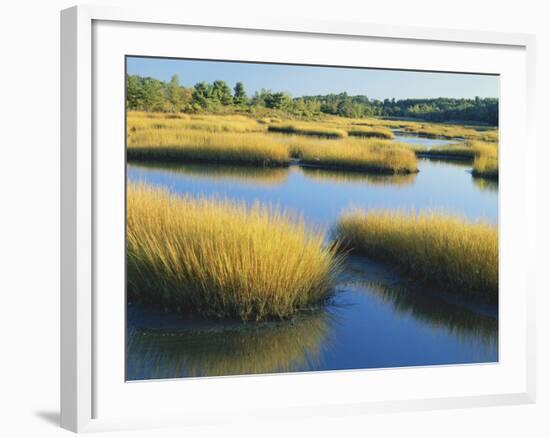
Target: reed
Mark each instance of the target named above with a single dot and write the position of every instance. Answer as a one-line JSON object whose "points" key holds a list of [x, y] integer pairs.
{"points": [[309, 128], [367, 155], [222, 259], [485, 161], [436, 248], [137, 121], [195, 146], [371, 132]]}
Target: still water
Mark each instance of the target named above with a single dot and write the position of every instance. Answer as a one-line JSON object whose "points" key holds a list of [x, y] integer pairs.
{"points": [[376, 319], [422, 141]]}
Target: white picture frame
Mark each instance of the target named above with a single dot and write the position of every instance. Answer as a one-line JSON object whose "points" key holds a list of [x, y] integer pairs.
{"points": [[85, 376]]}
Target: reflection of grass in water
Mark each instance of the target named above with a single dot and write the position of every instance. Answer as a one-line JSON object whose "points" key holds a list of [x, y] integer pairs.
{"points": [[267, 176], [485, 184], [341, 176], [430, 309], [246, 349], [442, 162]]}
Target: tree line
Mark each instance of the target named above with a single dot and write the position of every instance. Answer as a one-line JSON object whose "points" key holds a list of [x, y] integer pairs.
{"points": [[150, 94]]}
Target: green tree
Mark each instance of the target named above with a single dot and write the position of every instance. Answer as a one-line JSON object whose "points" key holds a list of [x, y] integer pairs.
{"points": [[239, 96], [134, 92], [221, 93], [201, 94], [281, 101], [153, 96], [173, 93]]}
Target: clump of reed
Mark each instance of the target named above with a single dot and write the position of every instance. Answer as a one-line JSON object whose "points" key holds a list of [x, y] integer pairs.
{"points": [[196, 146], [434, 130], [490, 136], [436, 248], [368, 155], [223, 259], [137, 121], [485, 160], [370, 132], [308, 128]]}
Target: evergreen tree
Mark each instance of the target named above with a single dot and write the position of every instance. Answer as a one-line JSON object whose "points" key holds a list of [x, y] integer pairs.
{"points": [[239, 96]]}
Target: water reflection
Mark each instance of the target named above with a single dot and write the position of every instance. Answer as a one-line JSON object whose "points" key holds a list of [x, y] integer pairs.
{"points": [[206, 348], [376, 320], [485, 184], [263, 176], [421, 141], [436, 308], [443, 162], [344, 177]]}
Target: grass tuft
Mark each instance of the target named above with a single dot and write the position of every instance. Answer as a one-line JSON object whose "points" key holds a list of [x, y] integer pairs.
{"points": [[196, 146], [222, 259], [367, 155], [436, 248], [371, 132], [485, 160], [310, 128]]}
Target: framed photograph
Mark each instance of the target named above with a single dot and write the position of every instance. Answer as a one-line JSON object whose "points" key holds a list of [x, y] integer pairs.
{"points": [[286, 219]]}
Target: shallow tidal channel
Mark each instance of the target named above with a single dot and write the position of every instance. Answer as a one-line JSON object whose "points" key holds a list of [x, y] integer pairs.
{"points": [[375, 320]]}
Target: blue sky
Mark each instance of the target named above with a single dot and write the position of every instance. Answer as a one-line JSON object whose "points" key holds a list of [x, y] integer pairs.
{"points": [[307, 80]]}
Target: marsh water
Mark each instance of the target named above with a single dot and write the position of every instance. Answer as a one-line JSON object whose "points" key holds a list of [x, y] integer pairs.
{"points": [[376, 318]]}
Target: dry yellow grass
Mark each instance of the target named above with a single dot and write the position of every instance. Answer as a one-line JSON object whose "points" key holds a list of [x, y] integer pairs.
{"points": [[222, 259], [239, 139], [369, 155], [139, 121], [486, 160], [308, 128], [189, 145], [370, 132], [436, 248], [487, 134]]}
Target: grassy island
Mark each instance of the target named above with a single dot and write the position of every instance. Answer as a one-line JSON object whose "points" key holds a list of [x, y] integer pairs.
{"points": [[222, 259], [435, 248]]}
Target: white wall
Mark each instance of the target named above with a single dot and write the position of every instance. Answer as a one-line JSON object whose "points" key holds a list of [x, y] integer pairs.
{"points": [[29, 231]]}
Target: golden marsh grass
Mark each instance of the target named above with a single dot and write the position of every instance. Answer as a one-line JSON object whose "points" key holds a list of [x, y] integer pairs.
{"points": [[369, 155], [485, 161], [222, 259], [370, 132], [436, 248], [309, 128], [188, 145], [137, 121]]}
